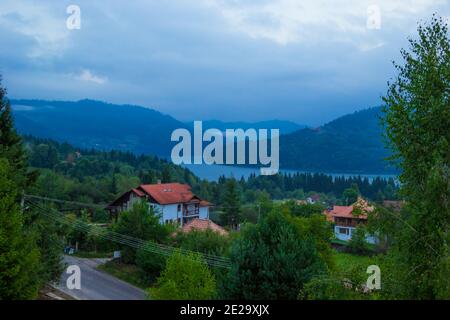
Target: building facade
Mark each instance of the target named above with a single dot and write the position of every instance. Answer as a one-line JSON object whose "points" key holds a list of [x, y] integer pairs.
{"points": [[174, 201], [346, 219]]}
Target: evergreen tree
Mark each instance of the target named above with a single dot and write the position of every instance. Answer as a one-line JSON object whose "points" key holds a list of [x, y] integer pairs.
{"points": [[272, 260], [11, 147], [231, 204], [19, 257]]}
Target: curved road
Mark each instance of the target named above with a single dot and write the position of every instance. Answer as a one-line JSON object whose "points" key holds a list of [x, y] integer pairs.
{"points": [[97, 285]]}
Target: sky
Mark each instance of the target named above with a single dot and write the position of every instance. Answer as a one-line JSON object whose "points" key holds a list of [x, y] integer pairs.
{"points": [[307, 61]]}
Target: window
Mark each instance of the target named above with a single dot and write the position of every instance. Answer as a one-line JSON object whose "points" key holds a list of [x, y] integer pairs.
{"points": [[179, 207], [343, 231]]}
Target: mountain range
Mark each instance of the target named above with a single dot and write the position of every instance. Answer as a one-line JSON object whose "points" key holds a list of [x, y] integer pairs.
{"points": [[351, 143]]}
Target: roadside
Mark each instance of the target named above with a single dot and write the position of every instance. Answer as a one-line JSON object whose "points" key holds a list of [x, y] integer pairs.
{"points": [[97, 285]]}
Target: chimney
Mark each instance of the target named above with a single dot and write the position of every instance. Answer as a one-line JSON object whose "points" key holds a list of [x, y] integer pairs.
{"points": [[158, 181]]}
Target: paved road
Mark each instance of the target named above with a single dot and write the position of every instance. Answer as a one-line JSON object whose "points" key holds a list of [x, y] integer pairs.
{"points": [[97, 285]]}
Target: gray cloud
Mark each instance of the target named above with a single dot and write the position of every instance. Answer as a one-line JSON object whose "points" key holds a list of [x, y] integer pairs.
{"points": [[306, 61]]}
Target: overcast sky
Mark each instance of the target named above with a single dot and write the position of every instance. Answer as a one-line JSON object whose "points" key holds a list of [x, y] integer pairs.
{"points": [[303, 60]]}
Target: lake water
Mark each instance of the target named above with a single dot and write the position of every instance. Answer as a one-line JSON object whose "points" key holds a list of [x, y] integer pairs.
{"points": [[213, 172]]}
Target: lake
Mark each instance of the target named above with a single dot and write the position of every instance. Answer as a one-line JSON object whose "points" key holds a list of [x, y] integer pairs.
{"points": [[213, 172]]}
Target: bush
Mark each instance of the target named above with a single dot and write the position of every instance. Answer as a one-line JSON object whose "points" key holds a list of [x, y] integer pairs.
{"points": [[186, 277], [358, 243], [151, 263]]}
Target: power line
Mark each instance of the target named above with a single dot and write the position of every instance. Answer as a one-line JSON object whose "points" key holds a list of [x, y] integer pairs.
{"points": [[212, 260]]}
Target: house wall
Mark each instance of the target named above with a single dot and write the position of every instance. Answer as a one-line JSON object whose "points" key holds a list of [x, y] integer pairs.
{"points": [[350, 230], [204, 212], [170, 212]]}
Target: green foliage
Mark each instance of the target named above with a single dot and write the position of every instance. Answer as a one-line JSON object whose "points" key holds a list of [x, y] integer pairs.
{"points": [[141, 222], [231, 204], [272, 260], [417, 121], [11, 147], [186, 277], [150, 262], [208, 242], [304, 210], [350, 195], [346, 281], [19, 257], [358, 243], [50, 248], [318, 228]]}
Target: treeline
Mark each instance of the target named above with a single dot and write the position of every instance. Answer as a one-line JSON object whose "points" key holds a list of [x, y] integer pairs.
{"points": [[96, 176]]}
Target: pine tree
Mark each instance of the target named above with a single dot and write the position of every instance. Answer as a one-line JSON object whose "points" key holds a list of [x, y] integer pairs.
{"points": [[11, 146], [231, 203], [19, 257]]}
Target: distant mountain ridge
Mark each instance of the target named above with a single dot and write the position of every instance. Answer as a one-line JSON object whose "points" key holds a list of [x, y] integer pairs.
{"points": [[284, 126], [351, 143], [95, 124]]}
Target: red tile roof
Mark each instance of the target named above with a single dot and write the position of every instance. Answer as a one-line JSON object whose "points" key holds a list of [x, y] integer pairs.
{"points": [[347, 211], [203, 225], [168, 193]]}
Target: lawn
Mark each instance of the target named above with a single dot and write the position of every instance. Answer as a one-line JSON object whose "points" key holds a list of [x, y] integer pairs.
{"points": [[347, 261], [126, 272]]}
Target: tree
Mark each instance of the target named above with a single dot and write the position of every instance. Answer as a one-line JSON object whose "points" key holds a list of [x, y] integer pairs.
{"points": [[19, 257], [271, 260], [231, 204], [140, 222], [11, 147], [417, 121], [358, 243], [351, 194], [151, 262], [186, 277]]}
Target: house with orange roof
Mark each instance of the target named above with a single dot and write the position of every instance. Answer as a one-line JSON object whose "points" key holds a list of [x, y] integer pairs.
{"points": [[175, 201], [346, 219]]}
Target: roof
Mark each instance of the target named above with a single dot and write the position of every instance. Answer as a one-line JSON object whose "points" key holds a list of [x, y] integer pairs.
{"points": [[168, 193], [203, 225], [347, 211], [165, 193]]}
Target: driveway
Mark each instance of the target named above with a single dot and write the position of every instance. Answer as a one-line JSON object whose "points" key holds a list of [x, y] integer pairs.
{"points": [[97, 285]]}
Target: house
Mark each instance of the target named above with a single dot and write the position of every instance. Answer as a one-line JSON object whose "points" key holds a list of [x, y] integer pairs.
{"points": [[313, 199], [347, 218], [175, 202], [203, 225]]}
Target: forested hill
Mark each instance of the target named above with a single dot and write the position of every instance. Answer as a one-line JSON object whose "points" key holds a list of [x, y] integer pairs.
{"points": [[352, 143], [94, 176], [104, 126]]}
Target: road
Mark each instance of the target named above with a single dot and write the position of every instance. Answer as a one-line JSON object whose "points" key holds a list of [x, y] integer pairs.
{"points": [[97, 285]]}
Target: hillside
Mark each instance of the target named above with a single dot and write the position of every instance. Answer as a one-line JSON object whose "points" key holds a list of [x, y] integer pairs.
{"points": [[352, 143], [284, 126], [94, 124]]}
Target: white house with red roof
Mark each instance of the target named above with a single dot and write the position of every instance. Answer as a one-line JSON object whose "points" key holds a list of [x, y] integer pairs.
{"points": [[347, 218], [175, 202]]}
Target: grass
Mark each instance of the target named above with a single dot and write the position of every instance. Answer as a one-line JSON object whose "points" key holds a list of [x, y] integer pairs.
{"points": [[126, 272], [347, 261]]}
